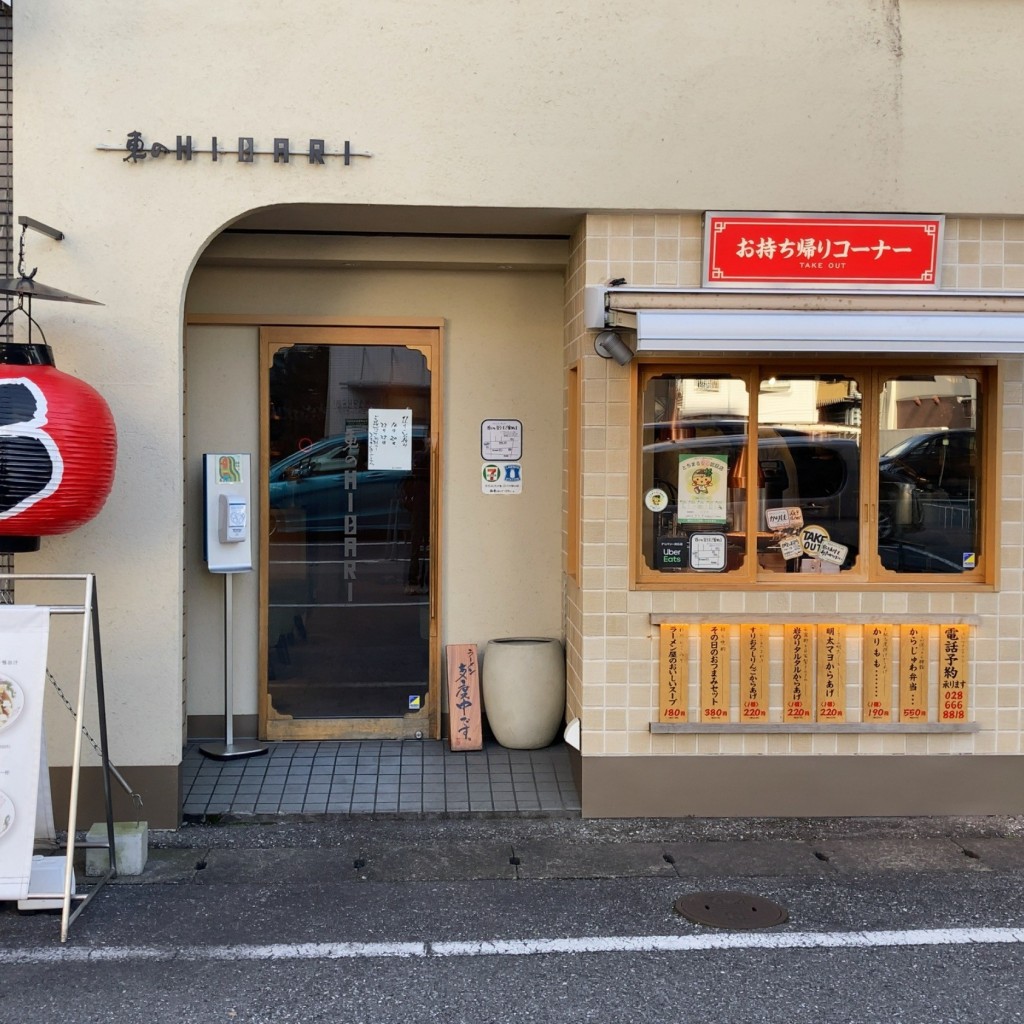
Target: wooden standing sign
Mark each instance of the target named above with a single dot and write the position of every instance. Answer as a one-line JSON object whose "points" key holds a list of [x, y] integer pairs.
{"points": [[464, 729]]}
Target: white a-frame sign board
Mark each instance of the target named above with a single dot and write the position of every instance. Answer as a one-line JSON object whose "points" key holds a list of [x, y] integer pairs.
{"points": [[24, 788], [24, 634]]}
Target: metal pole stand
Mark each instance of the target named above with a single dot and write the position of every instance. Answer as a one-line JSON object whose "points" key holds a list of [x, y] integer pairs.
{"points": [[230, 749]]}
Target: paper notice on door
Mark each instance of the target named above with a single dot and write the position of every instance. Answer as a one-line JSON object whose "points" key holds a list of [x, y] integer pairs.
{"points": [[389, 439]]}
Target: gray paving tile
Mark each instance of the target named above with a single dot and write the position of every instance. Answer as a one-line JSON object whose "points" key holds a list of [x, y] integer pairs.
{"points": [[851, 856], [594, 860], [996, 853], [746, 857], [440, 862], [166, 867], [276, 866], [381, 776]]}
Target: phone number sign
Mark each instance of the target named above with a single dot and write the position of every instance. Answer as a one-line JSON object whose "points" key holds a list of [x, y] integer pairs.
{"points": [[748, 250]]}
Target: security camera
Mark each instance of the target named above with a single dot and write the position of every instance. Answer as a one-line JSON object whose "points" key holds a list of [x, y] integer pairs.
{"points": [[609, 345]]}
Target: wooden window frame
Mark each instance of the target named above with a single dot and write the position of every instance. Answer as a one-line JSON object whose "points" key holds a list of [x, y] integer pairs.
{"points": [[868, 574], [573, 449]]}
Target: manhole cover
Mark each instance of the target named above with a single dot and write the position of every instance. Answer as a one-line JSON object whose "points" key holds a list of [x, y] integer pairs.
{"points": [[730, 910]]}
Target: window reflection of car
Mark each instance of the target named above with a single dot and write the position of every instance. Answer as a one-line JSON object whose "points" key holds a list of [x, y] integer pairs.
{"points": [[316, 481], [939, 460], [820, 475]]}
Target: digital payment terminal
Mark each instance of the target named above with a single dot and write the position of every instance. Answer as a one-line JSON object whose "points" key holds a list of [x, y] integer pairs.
{"points": [[227, 538], [227, 549]]}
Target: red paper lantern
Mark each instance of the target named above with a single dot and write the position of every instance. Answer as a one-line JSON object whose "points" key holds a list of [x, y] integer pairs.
{"points": [[58, 446]]}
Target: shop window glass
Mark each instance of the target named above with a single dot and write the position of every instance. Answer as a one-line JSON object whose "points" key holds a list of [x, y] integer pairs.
{"points": [[694, 473], [929, 474], [808, 468], [809, 504]]}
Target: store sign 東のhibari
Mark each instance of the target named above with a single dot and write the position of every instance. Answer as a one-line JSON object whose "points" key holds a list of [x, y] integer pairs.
{"points": [[762, 250], [244, 151]]}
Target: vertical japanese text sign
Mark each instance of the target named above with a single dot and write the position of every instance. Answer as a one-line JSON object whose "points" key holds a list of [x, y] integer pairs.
{"points": [[953, 674], [673, 679], [831, 673], [714, 673], [913, 673], [464, 729], [389, 439], [877, 656], [754, 672], [798, 675]]}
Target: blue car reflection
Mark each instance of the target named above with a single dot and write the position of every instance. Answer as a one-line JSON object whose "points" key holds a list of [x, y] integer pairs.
{"points": [[318, 488]]}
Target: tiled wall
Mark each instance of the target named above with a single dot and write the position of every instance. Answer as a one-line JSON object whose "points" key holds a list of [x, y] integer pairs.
{"points": [[611, 643]]}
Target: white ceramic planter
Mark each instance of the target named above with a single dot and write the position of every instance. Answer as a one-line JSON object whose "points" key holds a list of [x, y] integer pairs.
{"points": [[523, 683]]}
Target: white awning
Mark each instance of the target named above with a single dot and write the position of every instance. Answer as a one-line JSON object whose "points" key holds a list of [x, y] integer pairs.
{"points": [[824, 333]]}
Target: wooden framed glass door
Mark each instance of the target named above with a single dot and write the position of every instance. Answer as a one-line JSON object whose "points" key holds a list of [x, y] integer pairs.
{"points": [[348, 609]]}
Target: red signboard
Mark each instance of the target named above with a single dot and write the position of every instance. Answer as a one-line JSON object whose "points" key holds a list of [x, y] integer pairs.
{"points": [[754, 250]]}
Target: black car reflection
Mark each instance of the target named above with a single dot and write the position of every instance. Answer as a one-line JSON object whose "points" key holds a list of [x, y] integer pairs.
{"points": [[938, 461]]}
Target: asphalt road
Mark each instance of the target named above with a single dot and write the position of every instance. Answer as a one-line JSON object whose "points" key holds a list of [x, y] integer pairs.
{"points": [[509, 921]]}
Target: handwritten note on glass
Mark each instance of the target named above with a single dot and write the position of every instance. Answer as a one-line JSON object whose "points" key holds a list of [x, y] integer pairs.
{"points": [[389, 439]]}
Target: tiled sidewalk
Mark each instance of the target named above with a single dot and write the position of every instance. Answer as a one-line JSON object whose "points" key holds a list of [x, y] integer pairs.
{"points": [[380, 777]]}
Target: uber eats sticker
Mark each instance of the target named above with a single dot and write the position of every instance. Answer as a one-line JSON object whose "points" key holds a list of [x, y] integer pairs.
{"points": [[703, 488]]}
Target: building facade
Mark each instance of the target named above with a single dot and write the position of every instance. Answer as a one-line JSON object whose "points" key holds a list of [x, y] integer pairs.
{"points": [[375, 249]]}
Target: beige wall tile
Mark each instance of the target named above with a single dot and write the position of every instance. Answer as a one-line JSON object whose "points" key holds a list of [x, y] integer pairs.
{"points": [[617, 647]]}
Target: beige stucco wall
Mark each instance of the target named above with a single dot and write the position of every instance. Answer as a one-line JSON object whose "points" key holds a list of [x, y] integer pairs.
{"points": [[615, 645], [501, 567], [593, 105], [889, 105]]}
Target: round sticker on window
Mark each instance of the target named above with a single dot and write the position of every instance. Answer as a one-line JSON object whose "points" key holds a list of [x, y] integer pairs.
{"points": [[656, 499], [812, 537]]}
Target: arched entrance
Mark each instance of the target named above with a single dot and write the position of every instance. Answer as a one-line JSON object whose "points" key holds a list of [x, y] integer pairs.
{"points": [[295, 343]]}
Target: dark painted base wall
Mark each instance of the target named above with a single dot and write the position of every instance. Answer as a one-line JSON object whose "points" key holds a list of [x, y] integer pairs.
{"points": [[834, 786], [159, 787], [211, 727]]}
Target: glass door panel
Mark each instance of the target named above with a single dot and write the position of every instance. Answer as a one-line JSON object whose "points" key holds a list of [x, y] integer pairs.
{"points": [[349, 523]]}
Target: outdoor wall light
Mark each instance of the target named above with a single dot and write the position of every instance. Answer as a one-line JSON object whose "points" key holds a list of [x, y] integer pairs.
{"points": [[609, 345]]}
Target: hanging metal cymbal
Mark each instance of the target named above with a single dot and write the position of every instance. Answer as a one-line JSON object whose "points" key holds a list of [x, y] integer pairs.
{"points": [[27, 287]]}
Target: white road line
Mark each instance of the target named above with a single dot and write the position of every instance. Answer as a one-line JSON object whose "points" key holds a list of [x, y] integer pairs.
{"points": [[521, 947]]}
